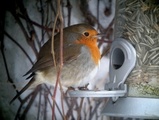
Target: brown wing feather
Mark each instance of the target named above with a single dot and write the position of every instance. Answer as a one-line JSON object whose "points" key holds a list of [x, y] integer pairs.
{"points": [[45, 60]]}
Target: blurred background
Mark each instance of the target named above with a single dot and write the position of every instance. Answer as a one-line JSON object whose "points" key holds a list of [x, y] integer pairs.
{"points": [[25, 26]]}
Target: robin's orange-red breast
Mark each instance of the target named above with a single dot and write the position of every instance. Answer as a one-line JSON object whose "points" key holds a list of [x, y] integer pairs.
{"points": [[81, 57]]}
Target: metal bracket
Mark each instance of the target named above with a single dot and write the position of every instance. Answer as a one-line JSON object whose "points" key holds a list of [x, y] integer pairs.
{"points": [[133, 107], [103, 93]]}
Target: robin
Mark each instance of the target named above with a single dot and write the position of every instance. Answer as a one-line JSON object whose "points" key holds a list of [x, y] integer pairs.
{"points": [[81, 57]]}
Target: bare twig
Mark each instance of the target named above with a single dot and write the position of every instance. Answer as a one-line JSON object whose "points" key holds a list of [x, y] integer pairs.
{"points": [[22, 103], [54, 102], [17, 114], [80, 109], [93, 112], [106, 51], [108, 30], [59, 15], [42, 19], [28, 39], [6, 67], [69, 8], [98, 14], [30, 103], [53, 56], [52, 7], [84, 7], [73, 102], [45, 105], [92, 20], [39, 104], [37, 24], [48, 90], [22, 49], [61, 58], [29, 25]]}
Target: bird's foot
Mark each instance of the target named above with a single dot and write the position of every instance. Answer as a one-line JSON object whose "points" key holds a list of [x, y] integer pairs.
{"points": [[69, 89], [84, 87]]}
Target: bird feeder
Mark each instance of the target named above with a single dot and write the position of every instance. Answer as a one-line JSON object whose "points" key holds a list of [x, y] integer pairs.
{"points": [[137, 21], [134, 62]]}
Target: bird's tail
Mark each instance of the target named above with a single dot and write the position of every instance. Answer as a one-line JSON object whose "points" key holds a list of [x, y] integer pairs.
{"points": [[23, 89]]}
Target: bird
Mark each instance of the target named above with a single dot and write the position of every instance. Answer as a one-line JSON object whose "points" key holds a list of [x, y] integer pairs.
{"points": [[81, 59]]}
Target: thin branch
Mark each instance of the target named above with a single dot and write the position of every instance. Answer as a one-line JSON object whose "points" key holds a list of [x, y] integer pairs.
{"points": [[80, 109], [73, 102], [52, 7], [53, 57], [37, 24], [52, 43], [21, 105], [28, 39], [61, 58], [6, 67], [39, 104], [54, 101], [94, 110], [109, 28], [30, 103], [45, 105], [60, 16], [21, 48], [29, 25], [98, 14], [48, 90], [42, 19], [69, 8], [18, 112]]}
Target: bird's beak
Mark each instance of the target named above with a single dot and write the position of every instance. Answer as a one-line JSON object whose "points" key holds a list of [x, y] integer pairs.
{"points": [[103, 38], [99, 35]]}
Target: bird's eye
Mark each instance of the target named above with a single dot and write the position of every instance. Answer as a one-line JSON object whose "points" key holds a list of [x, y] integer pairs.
{"points": [[86, 33]]}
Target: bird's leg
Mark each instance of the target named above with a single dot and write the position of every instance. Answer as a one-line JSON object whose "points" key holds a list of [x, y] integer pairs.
{"points": [[80, 88], [68, 89], [84, 87]]}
